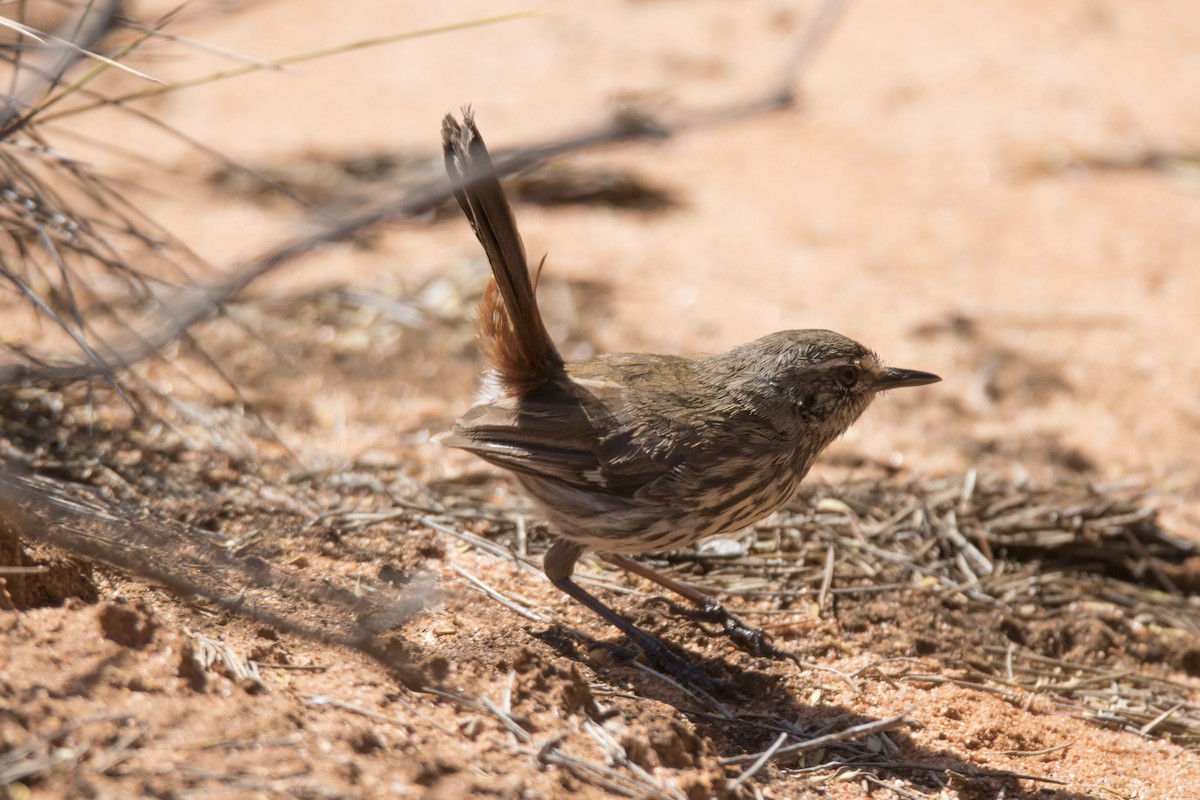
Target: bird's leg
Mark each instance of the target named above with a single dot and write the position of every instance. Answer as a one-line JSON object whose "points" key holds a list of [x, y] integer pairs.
{"points": [[559, 564], [750, 638]]}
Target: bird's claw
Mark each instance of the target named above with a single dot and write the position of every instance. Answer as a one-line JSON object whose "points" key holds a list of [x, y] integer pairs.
{"points": [[748, 638]]}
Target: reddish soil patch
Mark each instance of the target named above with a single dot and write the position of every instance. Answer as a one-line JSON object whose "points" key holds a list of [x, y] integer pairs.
{"points": [[1002, 193]]}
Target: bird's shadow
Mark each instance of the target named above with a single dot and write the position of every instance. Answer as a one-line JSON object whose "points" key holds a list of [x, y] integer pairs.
{"points": [[752, 706]]}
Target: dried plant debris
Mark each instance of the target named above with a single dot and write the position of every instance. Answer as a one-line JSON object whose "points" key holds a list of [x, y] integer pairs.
{"points": [[1182, 167], [93, 285], [338, 186], [423, 329], [210, 568], [1064, 575], [117, 289], [1028, 578], [1069, 592], [169, 505], [76, 252], [102, 743], [558, 184]]}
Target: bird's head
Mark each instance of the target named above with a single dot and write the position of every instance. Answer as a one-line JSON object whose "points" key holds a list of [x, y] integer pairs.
{"points": [[819, 378]]}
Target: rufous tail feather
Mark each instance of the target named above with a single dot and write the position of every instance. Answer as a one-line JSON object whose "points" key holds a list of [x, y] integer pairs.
{"points": [[512, 336]]}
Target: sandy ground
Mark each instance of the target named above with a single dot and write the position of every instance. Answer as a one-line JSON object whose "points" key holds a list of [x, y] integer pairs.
{"points": [[1004, 193]]}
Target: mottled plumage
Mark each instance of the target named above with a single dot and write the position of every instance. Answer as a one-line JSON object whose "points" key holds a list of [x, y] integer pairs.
{"points": [[629, 453]]}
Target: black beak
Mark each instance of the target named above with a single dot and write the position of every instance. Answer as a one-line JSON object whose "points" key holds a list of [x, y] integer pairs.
{"points": [[893, 378]]}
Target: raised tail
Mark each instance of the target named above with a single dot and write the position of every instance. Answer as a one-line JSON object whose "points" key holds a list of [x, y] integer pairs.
{"points": [[511, 333]]}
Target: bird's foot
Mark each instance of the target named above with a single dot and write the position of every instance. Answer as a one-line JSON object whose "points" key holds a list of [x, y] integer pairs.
{"points": [[748, 638]]}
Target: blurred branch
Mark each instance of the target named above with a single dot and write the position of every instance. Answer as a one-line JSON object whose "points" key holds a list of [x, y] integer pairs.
{"points": [[626, 125], [78, 520], [49, 63], [273, 64]]}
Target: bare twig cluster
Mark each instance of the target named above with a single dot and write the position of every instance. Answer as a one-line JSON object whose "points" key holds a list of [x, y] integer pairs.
{"points": [[193, 300]]}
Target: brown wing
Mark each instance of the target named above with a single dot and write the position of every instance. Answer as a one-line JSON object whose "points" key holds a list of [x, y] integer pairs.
{"points": [[536, 442], [611, 427], [588, 433]]}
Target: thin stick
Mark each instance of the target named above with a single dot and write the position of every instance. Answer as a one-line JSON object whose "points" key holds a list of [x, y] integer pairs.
{"points": [[499, 598], [753, 769], [866, 729]]}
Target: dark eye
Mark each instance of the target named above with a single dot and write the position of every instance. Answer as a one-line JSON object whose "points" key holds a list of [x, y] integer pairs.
{"points": [[847, 376]]}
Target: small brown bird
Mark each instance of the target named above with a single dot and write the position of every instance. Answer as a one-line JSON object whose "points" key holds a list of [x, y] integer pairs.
{"points": [[633, 452]]}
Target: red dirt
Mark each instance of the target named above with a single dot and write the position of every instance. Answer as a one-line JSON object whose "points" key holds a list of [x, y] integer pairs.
{"points": [[1001, 192]]}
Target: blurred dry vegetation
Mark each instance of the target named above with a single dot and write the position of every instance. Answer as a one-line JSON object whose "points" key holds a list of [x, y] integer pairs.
{"points": [[165, 461]]}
